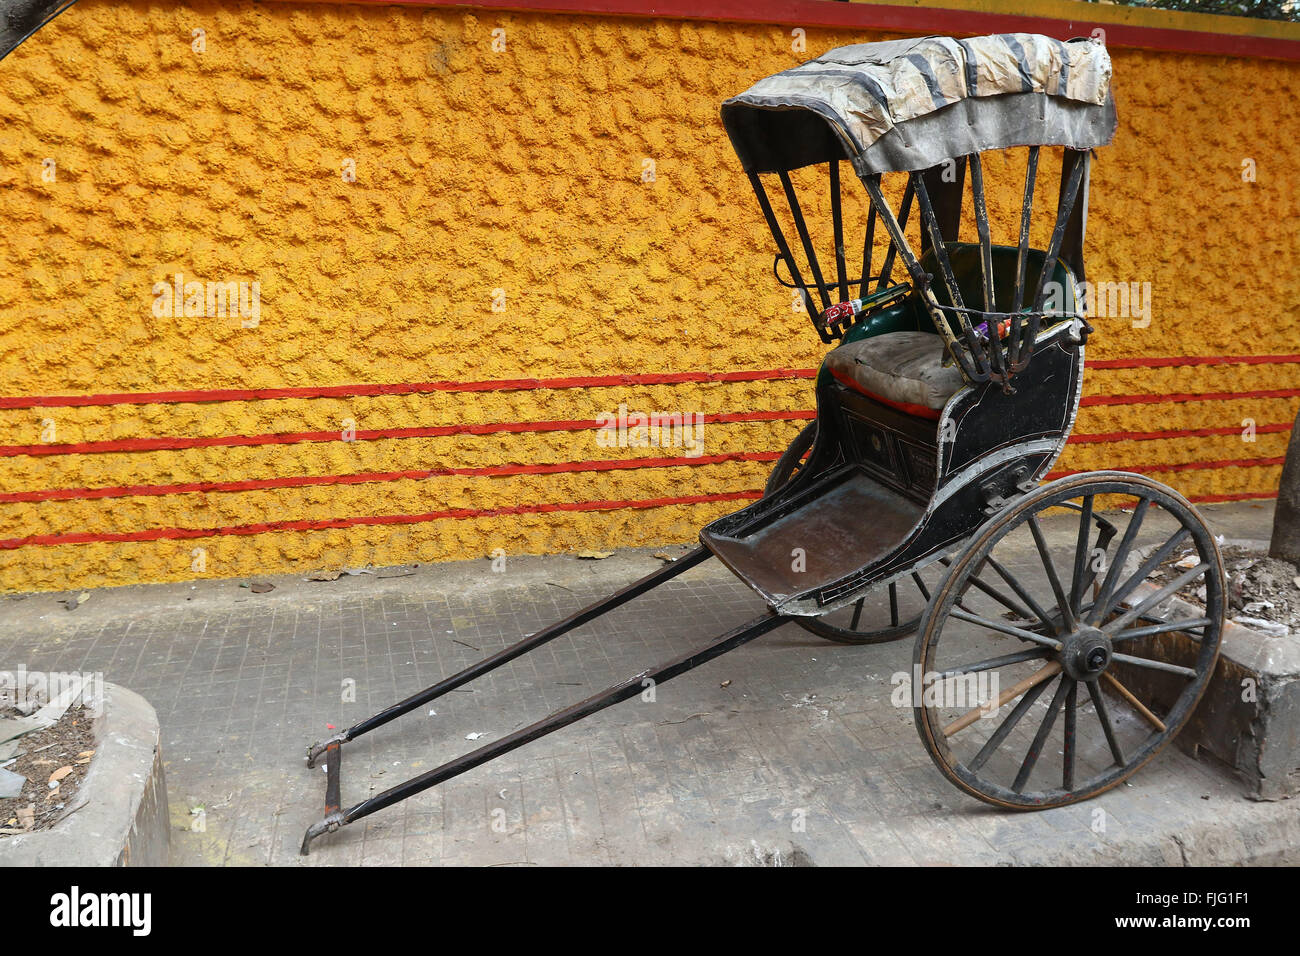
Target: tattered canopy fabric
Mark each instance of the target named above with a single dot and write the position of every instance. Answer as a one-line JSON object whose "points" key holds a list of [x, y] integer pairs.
{"points": [[910, 104]]}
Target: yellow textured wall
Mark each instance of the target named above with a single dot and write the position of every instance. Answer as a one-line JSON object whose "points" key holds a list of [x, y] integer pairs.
{"points": [[521, 171]]}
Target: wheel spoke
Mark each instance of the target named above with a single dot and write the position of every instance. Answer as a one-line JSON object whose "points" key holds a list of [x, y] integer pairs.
{"points": [[1047, 672], [1071, 722], [1155, 665], [857, 613], [1022, 594], [1121, 555], [1161, 629], [1156, 599], [1081, 553], [893, 604], [1005, 628], [920, 586], [1140, 707], [993, 743], [1016, 609], [1143, 572], [988, 665], [1067, 612], [1040, 738], [1099, 702]]}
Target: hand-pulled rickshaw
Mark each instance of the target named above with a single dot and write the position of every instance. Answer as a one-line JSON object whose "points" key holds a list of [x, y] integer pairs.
{"points": [[951, 389]]}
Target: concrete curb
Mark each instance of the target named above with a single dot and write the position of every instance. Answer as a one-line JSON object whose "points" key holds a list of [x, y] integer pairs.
{"points": [[121, 815], [1249, 718]]}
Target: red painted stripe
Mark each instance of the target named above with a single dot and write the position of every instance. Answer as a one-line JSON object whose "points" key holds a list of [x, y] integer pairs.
{"points": [[1103, 437], [292, 438], [159, 534], [1182, 466], [409, 388], [1091, 400], [258, 484], [1243, 496], [198, 396], [194, 396], [1176, 360], [899, 19], [1216, 499]]}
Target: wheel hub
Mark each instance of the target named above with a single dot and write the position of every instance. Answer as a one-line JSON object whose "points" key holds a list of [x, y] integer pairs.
{"points": [[1086, 653]]}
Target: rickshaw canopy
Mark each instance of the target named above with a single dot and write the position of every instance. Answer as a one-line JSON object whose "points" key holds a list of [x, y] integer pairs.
{"points": [[904, 105]]}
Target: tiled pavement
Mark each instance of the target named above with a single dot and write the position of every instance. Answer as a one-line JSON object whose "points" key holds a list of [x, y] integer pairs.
{"points": [[799, 758]]}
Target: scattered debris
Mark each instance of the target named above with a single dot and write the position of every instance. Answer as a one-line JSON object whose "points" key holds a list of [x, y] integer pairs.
{"points": [[11, 784], [725, 683], [470, 646], [595, 555], [261, 587], [55, 746], [1263, 592], [324, 576], [58, 776], [475, 735], [75, 602], [706, 713], [399, 572], [1270, 628]]}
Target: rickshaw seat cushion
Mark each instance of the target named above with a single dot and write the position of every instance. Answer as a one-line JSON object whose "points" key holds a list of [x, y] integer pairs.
{"points": [[902, 369]]}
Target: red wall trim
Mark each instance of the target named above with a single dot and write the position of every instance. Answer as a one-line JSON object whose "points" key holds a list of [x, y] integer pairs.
{"points": [[400, 388], [369, 477], [1103, 437], [361, 390], [894, 19], [293, 438], [158, 534]]}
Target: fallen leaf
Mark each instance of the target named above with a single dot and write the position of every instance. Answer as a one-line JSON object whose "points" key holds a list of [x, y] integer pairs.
{"points": [[595, 555], [59, 775], [86, 753], [261, 587], [324, 575], [27, 816]]}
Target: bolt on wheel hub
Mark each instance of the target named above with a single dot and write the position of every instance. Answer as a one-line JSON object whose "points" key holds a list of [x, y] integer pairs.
{"points": [[1086, 653]]}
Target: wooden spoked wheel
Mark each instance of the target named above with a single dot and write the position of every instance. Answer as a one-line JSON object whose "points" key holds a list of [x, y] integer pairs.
{"points": [[1056, 657], [792, 459], [900, 602]]}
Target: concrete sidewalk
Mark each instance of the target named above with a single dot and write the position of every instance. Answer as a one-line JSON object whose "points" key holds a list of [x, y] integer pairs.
{"points": [[786, 751]]}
